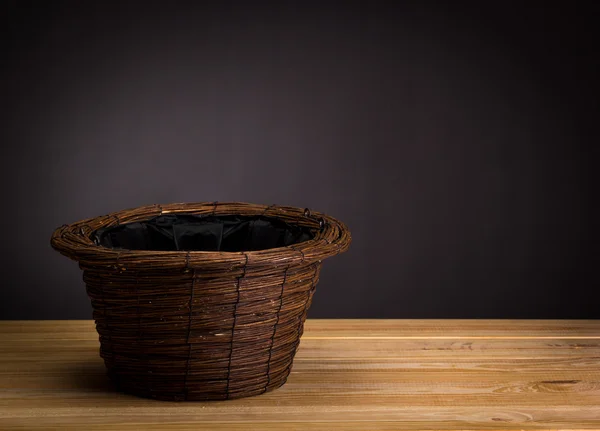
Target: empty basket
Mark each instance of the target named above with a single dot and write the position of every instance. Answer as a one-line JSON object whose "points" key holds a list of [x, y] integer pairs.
{"points": [[201, 301]]}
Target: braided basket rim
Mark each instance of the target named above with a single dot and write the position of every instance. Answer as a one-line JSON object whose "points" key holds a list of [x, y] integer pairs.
{"points": [[75, 240]]}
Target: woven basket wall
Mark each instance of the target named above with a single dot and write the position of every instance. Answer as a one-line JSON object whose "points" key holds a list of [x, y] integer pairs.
{"points": [[199, 325]]}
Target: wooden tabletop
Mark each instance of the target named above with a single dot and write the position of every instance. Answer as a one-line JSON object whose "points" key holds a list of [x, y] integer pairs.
{"points": [[347, 375]]}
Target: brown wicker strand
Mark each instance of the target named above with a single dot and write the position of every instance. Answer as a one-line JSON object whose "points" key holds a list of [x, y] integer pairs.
{"points": [[313, 286], [190, 318], [275, 329], [235, 315]]}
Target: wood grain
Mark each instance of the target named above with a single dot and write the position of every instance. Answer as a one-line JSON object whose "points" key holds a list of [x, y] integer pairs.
{"points": [[348, 375]]}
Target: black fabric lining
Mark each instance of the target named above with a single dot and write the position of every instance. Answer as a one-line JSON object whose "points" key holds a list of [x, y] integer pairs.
{"points": [[203, 233]]}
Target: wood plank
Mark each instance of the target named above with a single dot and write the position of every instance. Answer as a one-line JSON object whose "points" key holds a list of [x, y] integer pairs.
{"points": [[347, 375], [461, 328], [357, 328], [350, 349], [425, 418]]}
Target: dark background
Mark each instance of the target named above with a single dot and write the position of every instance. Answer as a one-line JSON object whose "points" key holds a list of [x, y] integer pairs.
{"points": [[455, 139]]}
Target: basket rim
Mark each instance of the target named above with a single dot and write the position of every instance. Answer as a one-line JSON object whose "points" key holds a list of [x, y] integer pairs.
{"points": [[75, 240]]}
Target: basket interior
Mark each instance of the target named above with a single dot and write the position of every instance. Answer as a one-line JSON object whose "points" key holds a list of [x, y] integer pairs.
{"points": [[187, 232]]}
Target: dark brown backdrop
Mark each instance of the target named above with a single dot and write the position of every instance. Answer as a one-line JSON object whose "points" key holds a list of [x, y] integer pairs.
{"points": [[455, 139]]}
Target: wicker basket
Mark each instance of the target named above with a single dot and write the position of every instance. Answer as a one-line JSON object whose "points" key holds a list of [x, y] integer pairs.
{"points": [[201, 325]]}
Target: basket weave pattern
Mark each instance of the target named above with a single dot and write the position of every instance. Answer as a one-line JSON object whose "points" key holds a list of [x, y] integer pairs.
{"points": [[201, 325]]}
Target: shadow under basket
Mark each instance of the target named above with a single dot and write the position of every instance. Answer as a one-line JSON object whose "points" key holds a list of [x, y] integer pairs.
{"points": [[201, 301]]}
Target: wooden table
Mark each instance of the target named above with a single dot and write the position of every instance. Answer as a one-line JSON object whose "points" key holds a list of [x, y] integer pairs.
{"points": [[348, 374]]}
